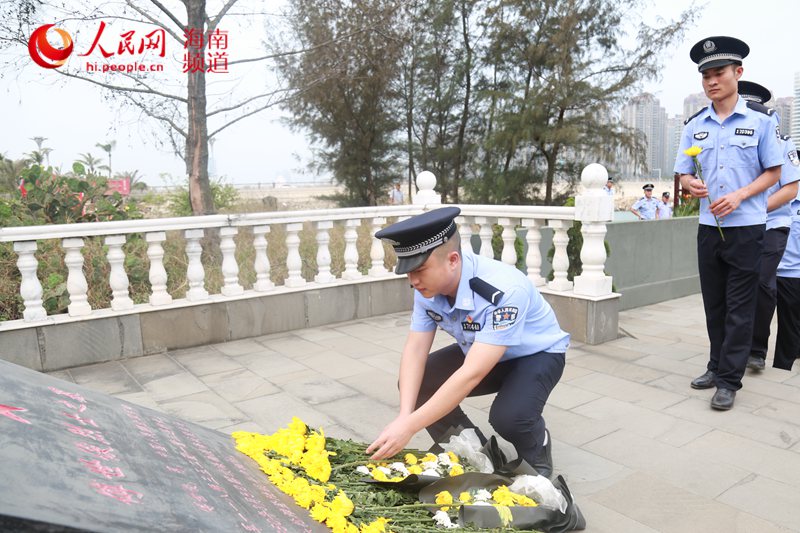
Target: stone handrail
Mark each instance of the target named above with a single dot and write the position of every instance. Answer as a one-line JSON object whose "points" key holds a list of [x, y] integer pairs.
{"points": [[593, 208]]}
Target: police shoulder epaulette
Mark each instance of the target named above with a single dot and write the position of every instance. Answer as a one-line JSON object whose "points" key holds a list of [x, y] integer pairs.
{"points": [[688, 120], [761, 108], [785, 137], [489, 293]]}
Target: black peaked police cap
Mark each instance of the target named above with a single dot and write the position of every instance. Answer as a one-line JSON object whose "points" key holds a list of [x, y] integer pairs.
{"points": [[415, 238], [750, 90], [718, 51]]}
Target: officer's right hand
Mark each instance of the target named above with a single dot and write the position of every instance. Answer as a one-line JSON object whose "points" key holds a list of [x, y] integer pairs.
{"points": [[697, 188]]}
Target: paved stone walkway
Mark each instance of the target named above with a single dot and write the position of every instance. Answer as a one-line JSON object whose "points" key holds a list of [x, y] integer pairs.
{"points": [[640, 449]]}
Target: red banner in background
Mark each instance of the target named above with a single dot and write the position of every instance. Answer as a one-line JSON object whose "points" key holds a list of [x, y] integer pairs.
{"points": [[122, 186]]}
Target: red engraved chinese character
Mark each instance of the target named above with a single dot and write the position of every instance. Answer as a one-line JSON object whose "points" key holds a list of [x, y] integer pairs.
{"points": [[102, 51], [218, 39], [249, 527], [193, 62], [217, 62], [176, 469], [118, 492], [90, 433], [83, 421], [125, 44], [107, 472], [74, 395], [106, 454], [194, 38], [153, 41], [80, 407], [8, 411]]}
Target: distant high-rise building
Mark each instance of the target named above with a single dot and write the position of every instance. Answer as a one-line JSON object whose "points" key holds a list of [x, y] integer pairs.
{"points": [[796, 109], [672, 143], [784, 108], [645, 114], [694, 103]]}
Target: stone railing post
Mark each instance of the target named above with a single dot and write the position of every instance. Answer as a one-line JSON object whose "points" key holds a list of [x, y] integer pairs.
{"points": [[509, 236], [594, 208], [30, 288], [465, 230], [323, 252], [77, 287], [376, 252], [426, 182], [351, 249], [486, 232], [230, 268], [560, 257], [294, 263], [195, 273], [533, 259], [118, 279], [261, 263], [158, 274]]}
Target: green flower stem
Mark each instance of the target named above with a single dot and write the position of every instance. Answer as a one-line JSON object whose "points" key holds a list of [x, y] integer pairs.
{"points": [[699, 168]]}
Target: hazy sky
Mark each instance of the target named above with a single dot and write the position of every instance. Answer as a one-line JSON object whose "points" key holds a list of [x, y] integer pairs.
{"points": [[74, 116]]}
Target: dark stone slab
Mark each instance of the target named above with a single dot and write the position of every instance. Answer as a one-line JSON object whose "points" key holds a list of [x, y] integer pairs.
{"points": [[73, 459]]}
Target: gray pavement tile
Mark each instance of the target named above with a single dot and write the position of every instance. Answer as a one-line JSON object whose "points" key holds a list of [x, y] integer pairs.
{"points": [[585, 472], [204, 363], [377, 385], [365, 331], [388, 362], [317, 388], [335, 365], [779, 410], [316, 334], [275, 411], [205, 408], [63, 375], [108, 378], [239, 385], [669, 508], [768, 499], [270, 365], [612, 350], [393, 343], [250, 427], [174, 386], [566, 396], [627, 391], [601, 519], [672, 366], [352, 347], [295, 347], [363, 419], [149, 367], [239, 347], [143, 399], [572, 372], [573, 428], [620, 369]]}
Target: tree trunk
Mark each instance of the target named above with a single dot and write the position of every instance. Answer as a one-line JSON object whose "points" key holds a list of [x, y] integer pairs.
{"points": [[197, 134], [462, 127]]}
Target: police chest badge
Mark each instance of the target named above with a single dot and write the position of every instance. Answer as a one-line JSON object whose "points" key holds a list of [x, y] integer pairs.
{"points": [[745, 131], [469, 325], [436, 317], [504, 317], [792, 155], [700, 135]]}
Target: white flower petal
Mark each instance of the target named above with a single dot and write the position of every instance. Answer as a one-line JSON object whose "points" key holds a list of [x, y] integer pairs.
{"points": [[363, 470]]}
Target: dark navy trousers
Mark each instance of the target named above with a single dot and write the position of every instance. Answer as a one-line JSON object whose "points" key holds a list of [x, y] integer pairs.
{"points": [[729, 272], [522, 386], [787, 343], [774, 245]]}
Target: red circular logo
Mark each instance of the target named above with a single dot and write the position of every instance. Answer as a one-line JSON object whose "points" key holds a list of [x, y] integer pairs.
{"points": [[41, 50]]}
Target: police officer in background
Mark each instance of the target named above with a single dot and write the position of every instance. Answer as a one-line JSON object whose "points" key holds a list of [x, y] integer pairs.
{"points": [[787, 344], [507, 337], [779, 219], [645, 207], [741, 158], [609, 188], [664, 209]]}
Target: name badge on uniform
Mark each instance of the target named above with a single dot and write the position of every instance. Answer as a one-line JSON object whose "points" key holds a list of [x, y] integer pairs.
{"points": [[745, 131], [700, 135], [436, 317], [504, 318], [469, 325]]}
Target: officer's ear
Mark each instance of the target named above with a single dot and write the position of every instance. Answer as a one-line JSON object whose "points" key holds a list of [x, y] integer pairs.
{"points": [[453, 258], [738, 70]]}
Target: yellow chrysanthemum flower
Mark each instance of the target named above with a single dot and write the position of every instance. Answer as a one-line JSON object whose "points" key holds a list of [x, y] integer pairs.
{"points": [[429, 458], [410, 459], [505, 515], [376, 526], [453, 458], [320, 512], [465, 497], [503, 496], [456, 470], [693, 151], [315, 442], [342, 505], [444, 498], [379, 475], [416, 469]]}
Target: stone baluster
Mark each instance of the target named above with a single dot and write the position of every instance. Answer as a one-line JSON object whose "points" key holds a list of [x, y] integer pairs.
{"points": [[294, 263], [376, 253], [426, 182], [465, 230], [486, 233], [118, 278], [30, 288], [261, 264], [351, 249], [158, 274], [195, 274], [533, 259], [76, 281], [509, 236], [594, 208], [230, 268], [323, 252], [560, 257]]}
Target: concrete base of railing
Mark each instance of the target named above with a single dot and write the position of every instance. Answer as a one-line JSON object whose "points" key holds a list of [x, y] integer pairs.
{"points": [[64, 342], [588, 319]]}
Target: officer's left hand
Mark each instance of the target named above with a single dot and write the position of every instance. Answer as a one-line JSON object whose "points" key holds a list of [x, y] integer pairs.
{"points": [[392, 439], [726, 205]]}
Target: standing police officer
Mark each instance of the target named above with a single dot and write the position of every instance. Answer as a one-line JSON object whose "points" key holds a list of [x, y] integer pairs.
{"points": [[779, 219], [787, 345], [664, 209], [741, 158], [645, 207], [507, 337]]}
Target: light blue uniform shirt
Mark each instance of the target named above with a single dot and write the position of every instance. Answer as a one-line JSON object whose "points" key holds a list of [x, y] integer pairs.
{"points": [[647, 207], [781, 217], [522, 320], [609, 192], [789, 267], [664, 210], [735, 152]]}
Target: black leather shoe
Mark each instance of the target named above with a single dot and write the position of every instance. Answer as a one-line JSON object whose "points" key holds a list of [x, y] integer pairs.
{"points": [[544, 463], [755, 363], [706, 381], [723, 399]]}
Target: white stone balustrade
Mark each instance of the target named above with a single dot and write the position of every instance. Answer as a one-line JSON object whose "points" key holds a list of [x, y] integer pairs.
{"points": [[591, 209]]}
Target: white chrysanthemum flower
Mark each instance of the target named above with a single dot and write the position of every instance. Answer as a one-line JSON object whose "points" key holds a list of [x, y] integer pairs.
{"points": [[363, 470], [385, 470], [399, 467], [476, 502], [430, 465], [442, 519], [444, 459], [483, 495], [431, 472]]}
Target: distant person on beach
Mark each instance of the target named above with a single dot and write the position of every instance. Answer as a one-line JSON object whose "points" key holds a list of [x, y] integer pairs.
{"points": [[396, 195]]}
